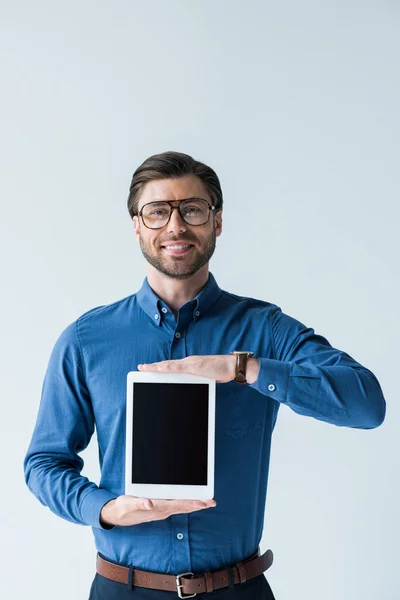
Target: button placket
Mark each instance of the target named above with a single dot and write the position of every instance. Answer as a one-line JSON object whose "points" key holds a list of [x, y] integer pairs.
{"points": [[180, 541]]}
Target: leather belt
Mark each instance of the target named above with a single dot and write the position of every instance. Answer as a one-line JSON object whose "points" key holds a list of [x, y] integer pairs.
{"points": [[187, 587]]}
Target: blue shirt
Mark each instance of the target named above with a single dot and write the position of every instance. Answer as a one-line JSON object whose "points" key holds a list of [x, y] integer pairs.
{"points": [[85, 385]]}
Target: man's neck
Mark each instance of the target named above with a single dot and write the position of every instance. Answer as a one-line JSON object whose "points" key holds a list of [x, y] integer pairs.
{"points": [[176, 292]]}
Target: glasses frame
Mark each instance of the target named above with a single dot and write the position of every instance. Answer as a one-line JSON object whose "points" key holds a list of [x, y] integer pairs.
{"points": [[211, 207]]}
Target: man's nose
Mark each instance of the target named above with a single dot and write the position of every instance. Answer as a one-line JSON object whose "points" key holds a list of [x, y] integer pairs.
{"points": [[176, 223]]}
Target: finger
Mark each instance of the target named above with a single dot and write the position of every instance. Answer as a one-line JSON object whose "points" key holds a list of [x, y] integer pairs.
{"points": [[209, 501], [179, 506], [201, 505], [156, 365], [164, 365]]}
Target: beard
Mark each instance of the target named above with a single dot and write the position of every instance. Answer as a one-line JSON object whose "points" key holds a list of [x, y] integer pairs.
{"points": [[177, 267]]}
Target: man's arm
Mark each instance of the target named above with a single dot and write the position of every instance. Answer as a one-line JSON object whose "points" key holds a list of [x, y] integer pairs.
{"points": [[64, 426], [317, 380]]}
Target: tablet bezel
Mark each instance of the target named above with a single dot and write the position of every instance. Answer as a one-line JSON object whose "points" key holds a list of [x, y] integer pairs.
{"points": [[166, 491]]}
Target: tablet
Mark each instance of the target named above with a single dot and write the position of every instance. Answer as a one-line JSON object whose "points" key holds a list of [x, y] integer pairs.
{"points": [[170, 436]]}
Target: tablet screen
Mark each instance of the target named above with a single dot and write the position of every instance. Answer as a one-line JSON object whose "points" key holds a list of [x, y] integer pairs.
{"points": [[170, 433]]}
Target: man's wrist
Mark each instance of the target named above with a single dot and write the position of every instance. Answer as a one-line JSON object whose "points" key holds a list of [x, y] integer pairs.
{"points": [[252, 370], [106, 514]]}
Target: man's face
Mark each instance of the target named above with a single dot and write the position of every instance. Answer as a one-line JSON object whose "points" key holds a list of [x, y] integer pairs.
{"points": [[202, 238]]}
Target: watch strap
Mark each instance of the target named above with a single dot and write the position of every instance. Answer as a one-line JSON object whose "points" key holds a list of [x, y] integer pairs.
{"points": [[241, 365]]}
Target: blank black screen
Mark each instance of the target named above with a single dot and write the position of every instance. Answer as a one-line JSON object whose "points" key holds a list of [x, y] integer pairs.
{"points": [[170, 433]]}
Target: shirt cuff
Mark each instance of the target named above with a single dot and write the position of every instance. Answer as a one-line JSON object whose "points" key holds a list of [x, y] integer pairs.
{"points": [[92, 504], [273, 379]]}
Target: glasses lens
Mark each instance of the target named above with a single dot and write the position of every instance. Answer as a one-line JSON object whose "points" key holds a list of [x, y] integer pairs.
{"points": [[156, 214], [194, 211]]}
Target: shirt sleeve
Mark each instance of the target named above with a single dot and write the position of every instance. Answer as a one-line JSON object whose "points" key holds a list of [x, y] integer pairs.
{"points": [[64, 427], [317, 380]]}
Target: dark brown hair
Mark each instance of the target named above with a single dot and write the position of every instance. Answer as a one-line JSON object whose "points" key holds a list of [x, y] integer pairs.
{"points": [[170, 165]]}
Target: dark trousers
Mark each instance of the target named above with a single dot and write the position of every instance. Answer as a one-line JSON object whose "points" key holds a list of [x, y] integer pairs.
{"points": [[105, 589]]}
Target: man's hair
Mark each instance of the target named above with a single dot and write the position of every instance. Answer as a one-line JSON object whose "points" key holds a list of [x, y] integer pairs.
{"points": [[171, 165]]}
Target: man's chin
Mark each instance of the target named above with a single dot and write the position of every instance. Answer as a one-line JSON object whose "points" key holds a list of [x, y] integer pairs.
{"points": [[178, 271], [174, 269]]}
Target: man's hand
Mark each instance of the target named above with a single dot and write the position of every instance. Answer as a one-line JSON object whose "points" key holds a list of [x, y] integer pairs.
{"points": [[131, 510], [220, 367]]}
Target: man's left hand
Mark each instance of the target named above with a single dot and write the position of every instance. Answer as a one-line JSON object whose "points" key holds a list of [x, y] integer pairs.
{"points": [[220, 367]]}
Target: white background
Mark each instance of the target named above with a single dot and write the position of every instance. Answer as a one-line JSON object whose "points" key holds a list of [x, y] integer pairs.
{"points": [[296, 107]]}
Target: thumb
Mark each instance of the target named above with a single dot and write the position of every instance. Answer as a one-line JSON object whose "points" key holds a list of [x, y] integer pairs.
{"points": [[137, 503], [146, 503]]}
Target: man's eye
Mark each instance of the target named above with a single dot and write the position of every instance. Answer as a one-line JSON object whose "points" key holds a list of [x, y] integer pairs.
{"points": [[158, 212]]}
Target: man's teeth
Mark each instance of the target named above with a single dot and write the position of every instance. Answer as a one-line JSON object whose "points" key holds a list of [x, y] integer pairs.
{"points": [[177, 247]]}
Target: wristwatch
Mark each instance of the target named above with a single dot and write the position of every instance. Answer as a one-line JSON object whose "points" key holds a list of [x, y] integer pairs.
{"points": [[241, 363]]}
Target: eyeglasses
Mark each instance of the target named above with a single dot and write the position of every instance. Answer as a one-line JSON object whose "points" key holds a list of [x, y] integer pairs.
{"points": [[194, 211]]}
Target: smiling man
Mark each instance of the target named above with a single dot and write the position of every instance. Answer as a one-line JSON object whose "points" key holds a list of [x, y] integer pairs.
{"points": [[182, 321]]}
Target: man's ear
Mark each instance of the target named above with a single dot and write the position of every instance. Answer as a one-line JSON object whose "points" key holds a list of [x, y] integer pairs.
{"points": [[218, 223], [136, 226]]}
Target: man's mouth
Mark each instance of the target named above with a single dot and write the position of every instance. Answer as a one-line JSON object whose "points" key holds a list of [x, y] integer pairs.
{"points": [[177, 249]]}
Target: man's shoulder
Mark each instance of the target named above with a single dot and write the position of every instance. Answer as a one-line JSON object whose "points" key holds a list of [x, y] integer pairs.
{"points": [[106, 312], [252, 303]]}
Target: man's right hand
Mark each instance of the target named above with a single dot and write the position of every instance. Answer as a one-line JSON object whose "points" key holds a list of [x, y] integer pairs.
{"points": [[131, 510]]}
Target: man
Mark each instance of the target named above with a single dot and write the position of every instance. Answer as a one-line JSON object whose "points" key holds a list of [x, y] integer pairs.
{"points": [[181, 321]]}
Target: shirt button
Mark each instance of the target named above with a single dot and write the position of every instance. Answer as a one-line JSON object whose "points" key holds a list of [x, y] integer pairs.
{"points": [[197, 313], [164, 309], [271, 387], [177, 335], [156, 316], [180, 536]]}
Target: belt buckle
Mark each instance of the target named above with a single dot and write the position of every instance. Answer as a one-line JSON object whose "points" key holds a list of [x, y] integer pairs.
{"points": [[179, 585]]}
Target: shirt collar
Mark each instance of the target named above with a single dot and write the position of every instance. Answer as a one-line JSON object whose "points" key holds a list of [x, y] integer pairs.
{"points": [[153, 305]]}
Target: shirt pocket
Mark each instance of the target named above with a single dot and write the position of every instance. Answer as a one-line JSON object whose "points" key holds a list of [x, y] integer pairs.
{"points": [[240, 410]]}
